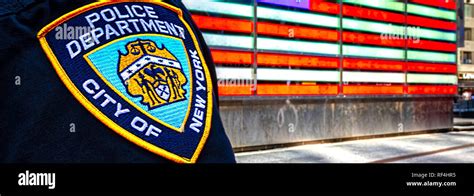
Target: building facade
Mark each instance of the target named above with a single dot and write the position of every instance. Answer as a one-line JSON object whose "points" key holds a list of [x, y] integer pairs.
{"points": [[465, 54]]}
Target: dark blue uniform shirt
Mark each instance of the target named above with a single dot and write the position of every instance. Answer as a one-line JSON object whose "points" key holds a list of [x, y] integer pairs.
{"points": [[38, 112]]}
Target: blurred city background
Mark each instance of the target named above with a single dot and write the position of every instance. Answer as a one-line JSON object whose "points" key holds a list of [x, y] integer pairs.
{"points": [[323, 81]]}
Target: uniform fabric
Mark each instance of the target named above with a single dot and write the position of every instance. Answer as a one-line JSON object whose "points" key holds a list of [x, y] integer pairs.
{"points": [[38, 112]]}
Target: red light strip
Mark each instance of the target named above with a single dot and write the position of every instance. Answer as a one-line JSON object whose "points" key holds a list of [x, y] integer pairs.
{"points": [[283, 89], [232, 57], [225, 24], [449, 4], [369, 64], [431, 67], [267, 59], [432, 23], [374, 39], [235, 90], [432, 90], [281, 30], [372, 90], [324, 7], [388, 65], [373, 14], [432, 45]]}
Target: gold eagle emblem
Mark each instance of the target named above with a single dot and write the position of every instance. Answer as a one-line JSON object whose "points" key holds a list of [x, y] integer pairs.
{"points": [[152, 73]]}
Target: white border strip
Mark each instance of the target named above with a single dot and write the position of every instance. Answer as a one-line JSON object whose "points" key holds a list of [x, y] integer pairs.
{"points": [[376, 52], [272, 74], [297, 17], [229, 41], [297, 46], [432, 78], [234, 73], [352, 76]]}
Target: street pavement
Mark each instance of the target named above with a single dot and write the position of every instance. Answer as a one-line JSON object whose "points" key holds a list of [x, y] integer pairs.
{"points": [[450, 147], [463, 124]]}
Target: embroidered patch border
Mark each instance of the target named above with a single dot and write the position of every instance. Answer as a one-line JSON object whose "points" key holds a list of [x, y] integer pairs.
{"points": [[71, 86]]}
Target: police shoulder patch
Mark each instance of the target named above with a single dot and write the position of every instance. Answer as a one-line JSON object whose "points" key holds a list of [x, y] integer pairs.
{"points": [[137, 67]]}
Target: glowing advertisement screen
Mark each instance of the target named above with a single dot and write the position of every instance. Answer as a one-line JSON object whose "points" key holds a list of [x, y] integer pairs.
{"points": [[304, 4], [325, 47]]}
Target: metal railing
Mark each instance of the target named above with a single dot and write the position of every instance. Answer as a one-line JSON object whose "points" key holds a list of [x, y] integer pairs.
{"points": [[461, 106]]}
